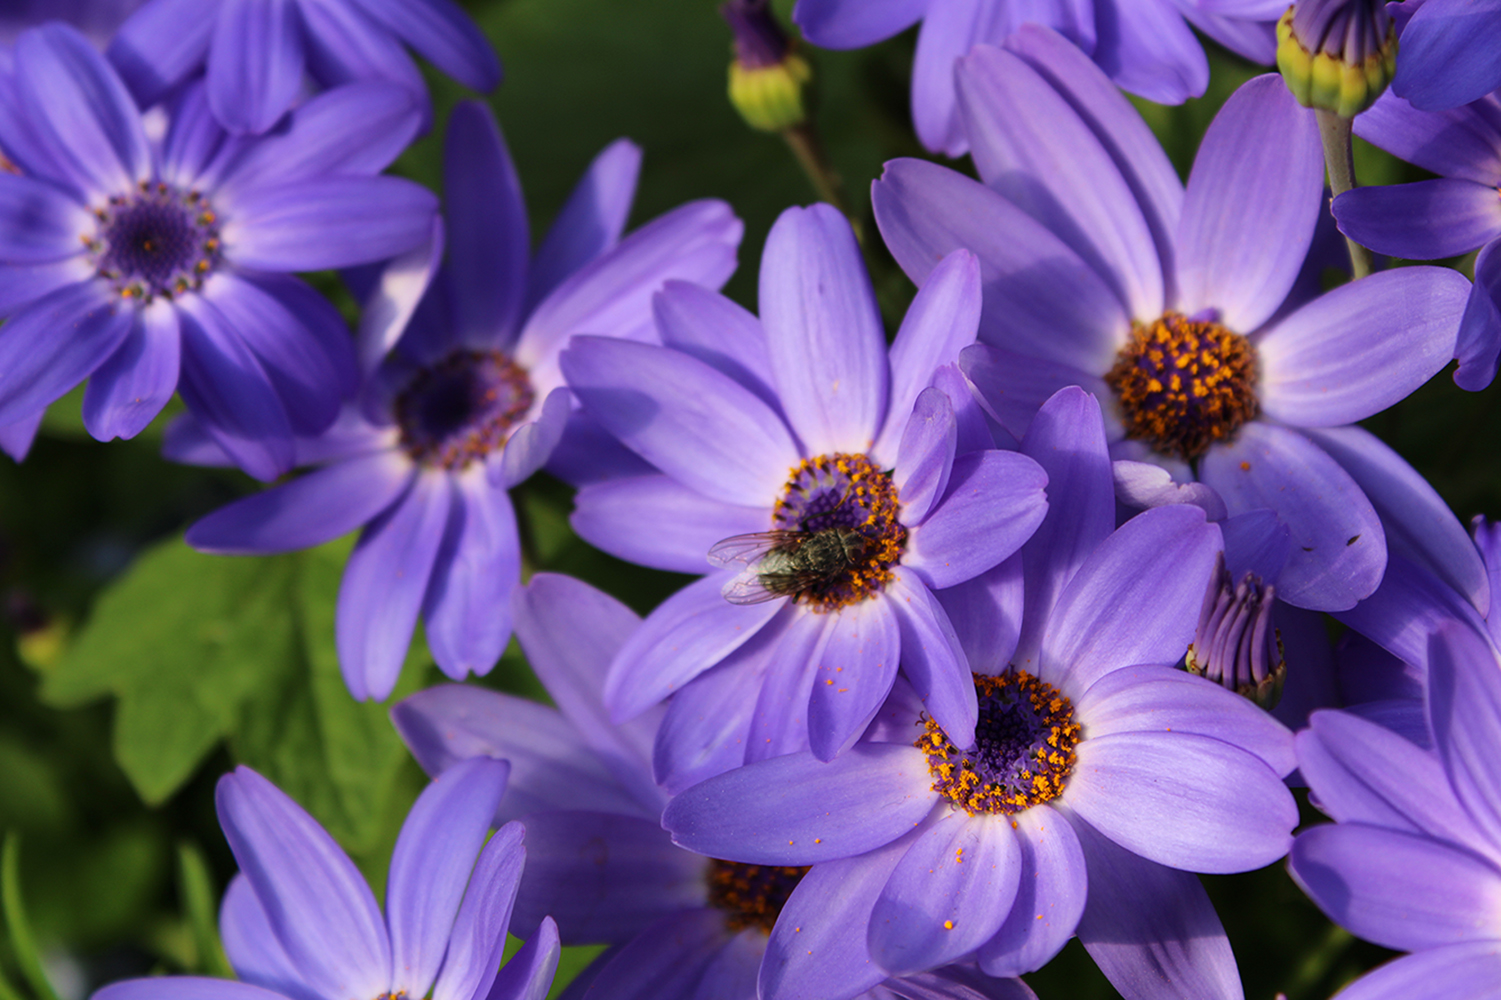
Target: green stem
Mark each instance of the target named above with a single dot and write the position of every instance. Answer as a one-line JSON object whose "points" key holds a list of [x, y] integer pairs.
{"points": [[808, 148], [23, 944], [1339, 157]]}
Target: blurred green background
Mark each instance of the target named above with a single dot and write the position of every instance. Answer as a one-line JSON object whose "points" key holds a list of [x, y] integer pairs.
{"points": [[134, 672]]}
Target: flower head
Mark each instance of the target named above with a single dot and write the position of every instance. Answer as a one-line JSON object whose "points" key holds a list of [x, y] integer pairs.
{"points": [[1337, 55], [462, 400], [1181, 308], [150, 268], [828, 485], [299, 920], [1096, 777], [255, 55], [1449, 52]]}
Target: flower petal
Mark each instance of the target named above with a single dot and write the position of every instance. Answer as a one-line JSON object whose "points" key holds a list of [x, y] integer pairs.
{"points": [[390, 306], [479, 932], [1149, 50], [1459, 142], [466, 610], [444, 34], [828, 350], [687, 634], [1464, 702], [925, 457], [529, 973], [161, 44], [1443, 67], [1183, 800], [986, 614], [657, 521], [716, 331], [255, 63], [1012, 387], [38, 223], [1049, 897], [1252, 201], [1424, 220], [706, 728], [933, 659], [590, 222], [1135, 600], [131, 387], [798, 810], [384, 582], [1152, 930], [184, 988], [1339, 547], [251, 946], [1479, 346], [854, 24], [605, 876], [330, 222], [16, 439], [434, 855], [948, 895], [691, 421], [667, 959], [318, 904], [995, 501], [531, 445], [1458, 972], [856, 669], [55, 343]]}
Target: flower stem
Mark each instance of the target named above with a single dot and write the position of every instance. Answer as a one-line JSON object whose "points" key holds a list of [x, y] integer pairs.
{"points": [[808, 148], [1339, 157]]}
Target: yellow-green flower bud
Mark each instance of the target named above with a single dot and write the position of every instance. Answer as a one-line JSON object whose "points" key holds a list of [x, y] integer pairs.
{"points": [[767, 78], [1337, 55]]}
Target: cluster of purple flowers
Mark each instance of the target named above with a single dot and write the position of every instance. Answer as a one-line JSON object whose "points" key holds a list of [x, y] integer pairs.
{"points": [[1004, 630]]}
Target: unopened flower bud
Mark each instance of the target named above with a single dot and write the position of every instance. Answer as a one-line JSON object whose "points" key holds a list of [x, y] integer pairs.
{"points": [[767, 78], [1337, 55], [1236, 645]]}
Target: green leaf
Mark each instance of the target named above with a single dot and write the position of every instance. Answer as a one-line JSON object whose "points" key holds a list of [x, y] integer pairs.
{"points": [[196, 886], [22, 943]]}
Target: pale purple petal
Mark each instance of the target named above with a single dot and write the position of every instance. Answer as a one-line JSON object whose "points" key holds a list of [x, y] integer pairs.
{"points": [[160, 44], [317, 902], [716, 331], [344, 45], [667, 959], [309, 510], [435, 852], [1142, 485], [16, 439], [994, 503], [591, 221], [925, 457], [1012, 387], [1444, 63], [479, 932], [1252, 201], [330, 222], [532, 444], [798, 810], [1460, 142], [948, 895], [1067, 439], [605, 876], [1458, 972], [1424, 220], [687, 634], [23, 284], [251, 946], [489, 242], [828, 350], [1040, 298], [55, 343], [1146, 48], [390, 306], [1049, 897], [1405, 609], [184, 988], [254, 63], [1183, 800], [130, 389], [933, 659], [986, 614], [656, 521], [856, 668], [687, 419], [1030, 146], [1339, 547], [384, 582], [1358, 349], [1152, 930], [854, 24], [444, 34], [38, 223], [1418, 523], [1464, 702], [706, 728], [529, 973], [785, 662], [466, 610], [1479, 346], [1135, 600]]}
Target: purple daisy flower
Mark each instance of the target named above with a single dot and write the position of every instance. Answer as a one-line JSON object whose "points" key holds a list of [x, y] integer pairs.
{"points": [[147, 269], [1413, 861], [1098, 778], [300, 922], [1452, 214], [1100, 270], [1451, 51], [831, 485], [680, 926], [469, 404], [257, 52], [1146, 46]]}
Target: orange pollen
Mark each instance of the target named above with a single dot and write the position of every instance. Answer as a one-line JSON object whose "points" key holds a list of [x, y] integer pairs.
{"points": [[751, 895]]}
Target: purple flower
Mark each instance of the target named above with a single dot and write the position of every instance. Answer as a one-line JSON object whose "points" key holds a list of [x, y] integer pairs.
{"points": [[468, 405], [1098, 778], [1146, 46], [679, 925], [147, 269], [1100, 270], [257, 52], [97, 19], [1450, 54], [834, 488], [300, 922], [1413, 861], [1452, 214]]}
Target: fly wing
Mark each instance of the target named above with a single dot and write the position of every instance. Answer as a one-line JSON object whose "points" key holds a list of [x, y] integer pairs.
{"points": [[749, 548], [749, 588]]}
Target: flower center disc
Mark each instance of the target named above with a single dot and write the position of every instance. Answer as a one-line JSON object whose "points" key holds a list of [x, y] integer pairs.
{"points": [[155, 241], [839, 514], [1024, 747], [463, 408], [751, 895], [1184, 384]]}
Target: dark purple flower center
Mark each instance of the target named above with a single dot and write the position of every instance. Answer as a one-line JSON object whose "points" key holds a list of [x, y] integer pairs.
{"points": [[751, 895], [1184, 384], [1236, 644], [1023, 752], [1350, 30], [840, 537], [155, 241], [463, 408]]}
